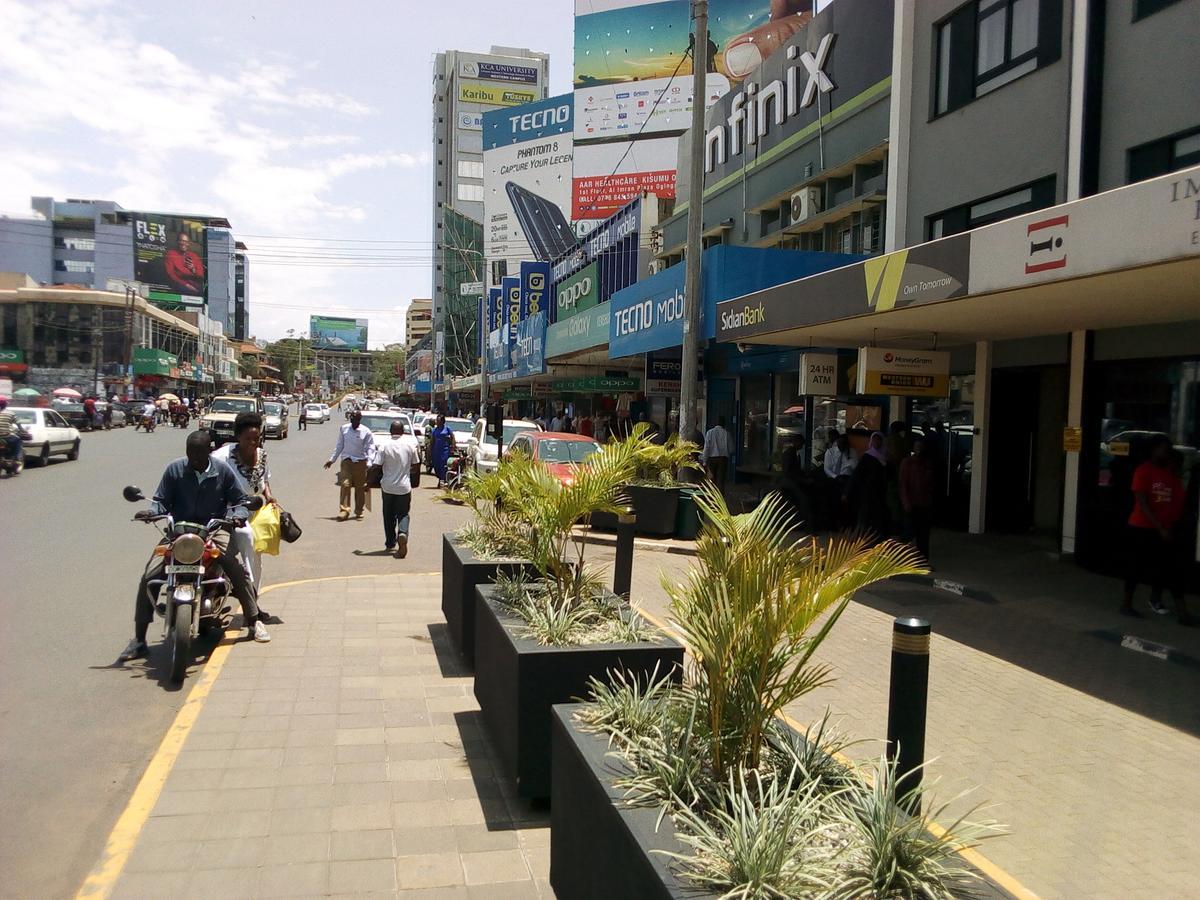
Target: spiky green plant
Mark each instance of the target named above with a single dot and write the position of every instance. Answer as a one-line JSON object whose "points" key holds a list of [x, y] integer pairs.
{"points": [[813, 756], [752, 613], [500, 529], [902, 856], [625, 706], [662, 463]]}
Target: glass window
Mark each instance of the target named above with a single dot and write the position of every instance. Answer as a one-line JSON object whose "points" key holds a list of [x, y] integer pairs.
{"points": [[989, 49], [566, 451], [997, 204], [1024, 27], [471, 192], [75, 243], [74, 265], [233, 406], [789, 417], [945, 35], [756, 423], [54, 420]]}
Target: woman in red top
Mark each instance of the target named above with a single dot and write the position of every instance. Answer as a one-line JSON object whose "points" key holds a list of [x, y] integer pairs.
{"points": [[1157, 506]]}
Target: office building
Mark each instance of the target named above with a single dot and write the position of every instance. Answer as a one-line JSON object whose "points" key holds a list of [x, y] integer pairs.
{"points": [[418, 322]]}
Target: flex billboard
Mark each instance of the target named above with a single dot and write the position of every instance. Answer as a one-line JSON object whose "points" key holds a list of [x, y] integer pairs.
{"points": [[527, 159], [328, 333], [170, 256]]}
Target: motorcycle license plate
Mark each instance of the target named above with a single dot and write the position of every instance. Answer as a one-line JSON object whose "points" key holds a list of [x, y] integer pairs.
{"points": [[184, 570]]}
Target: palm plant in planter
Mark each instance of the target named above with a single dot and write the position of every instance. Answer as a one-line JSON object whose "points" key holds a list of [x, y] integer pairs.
{"points": [[755, 809], [540, 639], [652, 489]]}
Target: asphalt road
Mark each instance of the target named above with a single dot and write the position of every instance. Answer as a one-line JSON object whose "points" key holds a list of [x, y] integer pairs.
{"points": [[76, 728]]}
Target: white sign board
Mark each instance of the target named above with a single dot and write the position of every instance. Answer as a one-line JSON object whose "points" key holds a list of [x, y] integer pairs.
{"points": [[903, 373], [818, 374], [470, 289]]}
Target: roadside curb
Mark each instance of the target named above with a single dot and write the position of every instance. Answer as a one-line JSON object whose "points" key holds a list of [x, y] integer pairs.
{"points": [[950, 587], [605, 539]]}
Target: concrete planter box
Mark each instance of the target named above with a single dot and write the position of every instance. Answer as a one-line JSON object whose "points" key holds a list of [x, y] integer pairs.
{"points": [[655, 508], [601, 848], [518, 681], [462, 571]]}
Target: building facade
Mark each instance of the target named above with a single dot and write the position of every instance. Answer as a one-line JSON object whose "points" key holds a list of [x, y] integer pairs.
{"points": [[418, 322]]}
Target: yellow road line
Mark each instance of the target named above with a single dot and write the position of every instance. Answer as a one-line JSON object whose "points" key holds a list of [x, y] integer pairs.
{"points": [[974, 857], [121, 840], [123, 837]]}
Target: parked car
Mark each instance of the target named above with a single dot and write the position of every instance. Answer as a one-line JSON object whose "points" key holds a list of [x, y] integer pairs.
{"points": [[315, 412], [76, 415], [481, 447], [461, 429], [220, 414], [562, 453], [275, 420], [49, 435], [118, 414], [418, 420]]}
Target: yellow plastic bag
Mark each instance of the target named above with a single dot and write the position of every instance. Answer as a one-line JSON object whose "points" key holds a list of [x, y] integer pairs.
{"points": [[264, 525]]}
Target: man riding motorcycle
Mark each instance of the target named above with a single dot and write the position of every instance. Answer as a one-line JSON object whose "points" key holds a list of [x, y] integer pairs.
{"points": [[196, 489], [10, 432]]}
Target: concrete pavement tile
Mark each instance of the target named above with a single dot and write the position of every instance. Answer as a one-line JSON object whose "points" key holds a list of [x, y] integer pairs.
{"points": [[268, 756], [302, 820], [356, 793], [295, 848], [192, 760], [302, 736], [308, 756], [350, 736], [228, 853], [538, 860], [362, 875], [322, 722], [373, 844], [305, 708], [172, 828], [181, 803], [430, 870], [238, 779], [534, 837], [257, 740], [468, 811], [217, 740], [362, 817], [468, 789], [360, 707], [140, 885], [408, 791], [414, 838], [238, 824], [270, 708], [427, 812], [360, 753], [162, 856], [473, 839], [265, 723], [298, 796], [414, 769], [305, 879], [449, 892], [415, 751], [231, 883], [512, 890], [292, 775], [242, 799], [359, 772], [411, 735], [361, 720]]}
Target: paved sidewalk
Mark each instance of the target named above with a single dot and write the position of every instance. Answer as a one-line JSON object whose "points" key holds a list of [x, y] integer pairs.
{"points": [[344, 757]]}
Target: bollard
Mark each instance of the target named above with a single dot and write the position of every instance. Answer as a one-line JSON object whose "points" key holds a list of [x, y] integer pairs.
{"points": [[623, 565], [907, 702]]}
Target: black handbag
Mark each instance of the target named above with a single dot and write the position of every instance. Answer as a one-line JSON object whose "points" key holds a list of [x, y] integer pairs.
{"points": [[288, 529]]}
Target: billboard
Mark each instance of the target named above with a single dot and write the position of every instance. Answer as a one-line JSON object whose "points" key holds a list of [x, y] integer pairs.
{"points": [[535, 288], [170, 256], [328, 333], [491, 71], [633, 85], [494, 94], [527, 157]]}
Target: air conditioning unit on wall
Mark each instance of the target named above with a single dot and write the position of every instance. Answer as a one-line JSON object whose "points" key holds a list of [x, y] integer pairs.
{"points": [[806, 203]]}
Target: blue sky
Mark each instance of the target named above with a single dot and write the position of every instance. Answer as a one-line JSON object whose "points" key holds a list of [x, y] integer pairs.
{"points": [[305, 122]]}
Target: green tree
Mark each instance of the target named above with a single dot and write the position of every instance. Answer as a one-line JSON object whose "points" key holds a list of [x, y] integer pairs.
{"points": [[288, 355], [387, 367]]}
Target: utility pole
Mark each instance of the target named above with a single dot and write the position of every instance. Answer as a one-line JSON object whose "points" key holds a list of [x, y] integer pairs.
{"points": [[689, 377], [127, 378]]}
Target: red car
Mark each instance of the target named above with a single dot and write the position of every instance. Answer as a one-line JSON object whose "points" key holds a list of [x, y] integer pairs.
{"points": [[561, 452]]}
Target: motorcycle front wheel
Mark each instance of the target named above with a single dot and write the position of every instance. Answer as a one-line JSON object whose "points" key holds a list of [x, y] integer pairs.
{"points": [[181, 642]]}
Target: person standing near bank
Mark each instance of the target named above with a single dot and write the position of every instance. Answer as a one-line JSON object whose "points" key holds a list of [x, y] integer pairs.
{"points": [[441, 443], [718, 447], [355, 444], [397, 455], [917, 480], [1157, 506]]}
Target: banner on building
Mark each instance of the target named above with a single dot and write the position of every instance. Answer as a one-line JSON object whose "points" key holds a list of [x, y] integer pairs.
{"points": [[529, 355], [903, 373], [492, 71], [328, 333], [170, 256], [664, 375], [510, 293], [493, 94], [577, 292], [497, 351], [535, 288], [495, 309], [527, 159]]}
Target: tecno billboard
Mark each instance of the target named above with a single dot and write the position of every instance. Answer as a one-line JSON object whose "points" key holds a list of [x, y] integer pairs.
{"points": [[171, 257], [527, 181], [633, 86]]}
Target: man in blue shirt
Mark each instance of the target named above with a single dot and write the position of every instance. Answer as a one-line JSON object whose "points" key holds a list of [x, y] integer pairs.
{"points": [[355, 445], [196, 489]]}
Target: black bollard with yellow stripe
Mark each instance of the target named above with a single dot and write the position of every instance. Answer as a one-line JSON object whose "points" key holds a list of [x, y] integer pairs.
{"points": [[623, 564], [907, 704]]}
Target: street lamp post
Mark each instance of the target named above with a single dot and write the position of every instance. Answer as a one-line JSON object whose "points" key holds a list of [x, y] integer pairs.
{"points": [[695, 226]]}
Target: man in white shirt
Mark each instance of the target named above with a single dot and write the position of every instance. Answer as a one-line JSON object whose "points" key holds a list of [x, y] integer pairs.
{"points": [[718, 447], [355, 445], [398, 454], [839, 458]]}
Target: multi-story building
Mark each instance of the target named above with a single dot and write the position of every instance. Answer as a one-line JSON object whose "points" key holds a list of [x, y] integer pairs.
{"points": [[239, 324], [465, 85], [418, 322]]}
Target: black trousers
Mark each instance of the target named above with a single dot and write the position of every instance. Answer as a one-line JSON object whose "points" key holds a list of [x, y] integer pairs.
{"points": [[395, 516], [147, 594], [919, 520], [1150, 560]]}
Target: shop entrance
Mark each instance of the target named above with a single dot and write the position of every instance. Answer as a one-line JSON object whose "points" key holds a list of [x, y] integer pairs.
{"points": [[1025, 461]]}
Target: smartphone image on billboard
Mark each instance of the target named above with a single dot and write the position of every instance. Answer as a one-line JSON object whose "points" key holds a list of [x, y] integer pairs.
{"points": [[546, 228]]}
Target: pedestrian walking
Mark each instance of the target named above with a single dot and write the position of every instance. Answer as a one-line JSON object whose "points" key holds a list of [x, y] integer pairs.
{"points": [[917, 479], [397, 456], [868, 490], [247, 457], [354, 447], [718, 447], [303, 417], [440, 444], [1158, 496]]}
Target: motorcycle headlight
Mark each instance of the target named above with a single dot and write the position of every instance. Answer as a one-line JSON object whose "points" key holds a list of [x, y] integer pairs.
{"points": [[187, 549]]}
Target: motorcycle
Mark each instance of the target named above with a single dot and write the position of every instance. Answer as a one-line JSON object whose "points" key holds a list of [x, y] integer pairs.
{"points": [[148, 423], [12, 462], [181, 418], [195, 597], [456, 471]]}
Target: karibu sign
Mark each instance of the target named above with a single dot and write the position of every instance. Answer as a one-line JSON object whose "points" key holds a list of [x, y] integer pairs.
{"points": [[903, 373], [493, 95], [578, 292]]}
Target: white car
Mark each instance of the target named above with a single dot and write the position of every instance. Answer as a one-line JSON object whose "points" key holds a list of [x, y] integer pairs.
{"points": [[379, 421], [326, 410], [316, 412], [481, 447], [418, 422], [52, 434]]}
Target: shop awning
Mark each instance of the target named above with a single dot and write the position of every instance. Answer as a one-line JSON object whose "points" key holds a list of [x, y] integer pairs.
{"points": [[1127, 257], [148, 361]]}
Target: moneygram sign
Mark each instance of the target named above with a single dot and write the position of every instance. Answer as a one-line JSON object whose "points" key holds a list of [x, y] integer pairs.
{"points": [[903, 373]]}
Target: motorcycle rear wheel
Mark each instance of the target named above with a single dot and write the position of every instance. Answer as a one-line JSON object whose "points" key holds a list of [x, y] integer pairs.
{"points": [[181, 642]]}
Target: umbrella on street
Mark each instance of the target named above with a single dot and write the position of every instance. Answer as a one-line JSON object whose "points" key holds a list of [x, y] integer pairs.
{"points": [[170, 398], [26, 392], [67, 393]]}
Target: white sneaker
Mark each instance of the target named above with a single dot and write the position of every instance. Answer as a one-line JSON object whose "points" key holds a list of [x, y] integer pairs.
{"points": [[260, 633], [401, 545]]}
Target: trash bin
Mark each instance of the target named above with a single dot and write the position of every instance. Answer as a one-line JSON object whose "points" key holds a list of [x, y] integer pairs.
{"points": [[687, 516]]}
